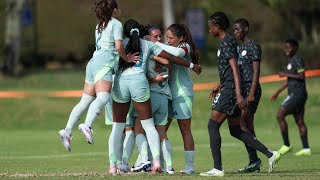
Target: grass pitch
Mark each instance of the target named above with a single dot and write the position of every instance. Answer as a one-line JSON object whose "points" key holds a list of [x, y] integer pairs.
{"points": [[31, 147]]}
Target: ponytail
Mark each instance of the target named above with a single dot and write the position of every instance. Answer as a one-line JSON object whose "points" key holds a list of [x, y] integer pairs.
{"points": [[134, 31], [194, 50]]}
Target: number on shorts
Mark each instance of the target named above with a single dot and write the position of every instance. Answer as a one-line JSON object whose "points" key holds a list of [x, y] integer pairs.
{"points": [[216, 99]]}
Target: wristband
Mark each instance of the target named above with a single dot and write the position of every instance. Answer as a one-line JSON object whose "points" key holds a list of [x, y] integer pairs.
{"points": [[191, 65]]}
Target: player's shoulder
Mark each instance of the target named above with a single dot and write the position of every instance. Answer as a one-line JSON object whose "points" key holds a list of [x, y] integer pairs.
{"points": [[254, 44], [115, 22], [297, 58], [229, 40]]}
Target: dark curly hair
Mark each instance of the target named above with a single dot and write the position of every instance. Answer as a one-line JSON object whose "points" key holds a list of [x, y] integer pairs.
{"points": [[103, 11]]}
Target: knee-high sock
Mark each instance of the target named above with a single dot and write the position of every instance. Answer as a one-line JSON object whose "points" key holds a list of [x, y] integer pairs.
{"points": [[167, 152], [137, 161], [249, 140], [78, 110], [304, 140], [252, 153], [152, 137], [119, 159], [128, 145], [189, 158], [96, 106], [142, 144], [285, 137], [215, 143], [114, 143]]}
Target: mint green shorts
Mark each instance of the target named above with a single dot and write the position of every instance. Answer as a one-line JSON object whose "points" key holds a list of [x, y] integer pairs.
{"points": [[130, 87], [159, 105], [180, 107], [100, 67]]}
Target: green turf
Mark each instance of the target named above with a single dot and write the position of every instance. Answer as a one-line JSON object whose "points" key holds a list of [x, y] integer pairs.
{"points": [[31, 147]]}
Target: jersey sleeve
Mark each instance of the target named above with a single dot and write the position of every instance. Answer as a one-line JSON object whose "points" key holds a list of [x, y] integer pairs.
{"points": [[299, 65], [179, 52], [155, 49], [256, 52], [118, 31]]}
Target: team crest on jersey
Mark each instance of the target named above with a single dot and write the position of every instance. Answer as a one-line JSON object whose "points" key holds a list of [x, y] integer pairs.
{"points": [[218, 53], [289, 67], [243, 53]]}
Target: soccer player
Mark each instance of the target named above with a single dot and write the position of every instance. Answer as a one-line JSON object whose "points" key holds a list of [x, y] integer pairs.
{"points": [[182, 45], [226, 102], [160, 94], [249, 57], [295, 101], [131, 84], [98, 82], [127, 138]]}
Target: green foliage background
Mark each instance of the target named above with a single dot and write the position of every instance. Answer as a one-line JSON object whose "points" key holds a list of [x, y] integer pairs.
{"points": [[66, 28]]}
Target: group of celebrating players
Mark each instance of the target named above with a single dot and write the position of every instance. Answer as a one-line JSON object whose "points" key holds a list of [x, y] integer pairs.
{"points": [[150, 85]]}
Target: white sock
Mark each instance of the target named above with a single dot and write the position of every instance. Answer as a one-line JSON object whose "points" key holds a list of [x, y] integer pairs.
{"points": [[161, 156], [78, 110], [96, 106], [119, 159], [167, 152], [137, 161], [150, 155], [128, 145], [142, 144], [189, 158], [152, 137], [114, 143]]}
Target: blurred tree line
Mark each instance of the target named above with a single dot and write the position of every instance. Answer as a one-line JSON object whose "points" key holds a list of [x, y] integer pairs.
{"points": [[65, 29]]}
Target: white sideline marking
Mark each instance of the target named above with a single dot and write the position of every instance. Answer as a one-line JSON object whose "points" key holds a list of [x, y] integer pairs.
{"points": [[104, 153]]}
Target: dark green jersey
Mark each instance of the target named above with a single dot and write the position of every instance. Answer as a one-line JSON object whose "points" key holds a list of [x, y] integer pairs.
{"points": [[296, 87], [248, 52], [227, 50]]}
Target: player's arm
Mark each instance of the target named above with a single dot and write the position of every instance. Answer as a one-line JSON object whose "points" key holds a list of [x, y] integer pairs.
{"points": [[176, 60], [130, 58], [179, 52], [255, 80], [236, 75], [281, 88], [214, 91], [300, 75], [161, 60], [158, 78]]}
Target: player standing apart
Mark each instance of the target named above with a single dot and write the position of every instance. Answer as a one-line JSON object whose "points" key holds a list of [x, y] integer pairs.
{"points": [[295, 101]]}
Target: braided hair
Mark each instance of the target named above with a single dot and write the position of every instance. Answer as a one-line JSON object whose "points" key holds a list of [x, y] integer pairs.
{"points": [[220, 19]]}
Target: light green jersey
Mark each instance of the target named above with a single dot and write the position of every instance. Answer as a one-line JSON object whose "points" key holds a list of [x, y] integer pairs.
{"points": [[158, 87]]}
